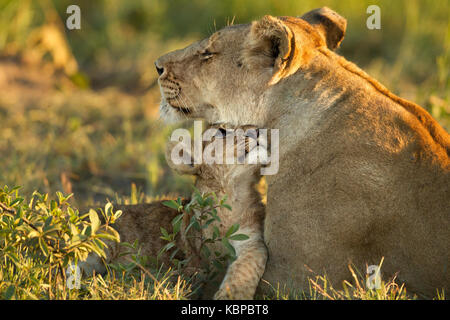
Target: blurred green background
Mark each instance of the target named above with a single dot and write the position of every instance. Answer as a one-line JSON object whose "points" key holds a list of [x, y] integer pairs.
{"points": [[79, 109]]}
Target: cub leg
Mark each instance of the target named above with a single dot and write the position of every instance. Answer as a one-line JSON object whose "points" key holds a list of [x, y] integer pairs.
{"points": [[244, 274]]}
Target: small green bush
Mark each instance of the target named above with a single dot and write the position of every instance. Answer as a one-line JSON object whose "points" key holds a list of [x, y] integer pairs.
{"points": [[195, 217], [41, 239]]}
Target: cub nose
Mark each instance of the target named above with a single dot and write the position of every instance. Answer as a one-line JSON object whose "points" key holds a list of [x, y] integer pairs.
{"points": [[158, 69]]}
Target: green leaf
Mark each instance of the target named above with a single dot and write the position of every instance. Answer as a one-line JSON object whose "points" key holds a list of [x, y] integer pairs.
{"points": [[95, 221], [200, 200], [187, 207], [73, 229], [222, 201], [100, 244], [43, 246], [15, 188], [228, 246], [171, 204], [169, 246], [60, 197], [114, 233], [164, 233], [88, 231], [108, 209], [94, 247], [10, 292], [174, 253], [239, 237], [226, 206], [47, 223], [176, 223], [177, 218], [53, 205], [192, 223], [208, 201], [13, 256], [216, 232], [107, 236], [117, 214], [33, 234], [218, 265], [232, 229], [207, 223], [16, 202]]}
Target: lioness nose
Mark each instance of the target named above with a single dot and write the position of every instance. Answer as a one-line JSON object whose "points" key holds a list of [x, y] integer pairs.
{"points": [[158, 69]]}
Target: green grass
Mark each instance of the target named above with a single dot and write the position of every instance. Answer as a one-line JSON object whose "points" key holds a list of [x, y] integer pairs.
{"points": [[80, 114]]}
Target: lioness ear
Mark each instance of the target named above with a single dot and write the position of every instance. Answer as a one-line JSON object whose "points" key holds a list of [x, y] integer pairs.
{"points": [[329, 24], [271, 44]]}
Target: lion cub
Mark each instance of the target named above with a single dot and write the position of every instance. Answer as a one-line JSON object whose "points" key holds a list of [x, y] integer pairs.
{"points": [[237, 182]]}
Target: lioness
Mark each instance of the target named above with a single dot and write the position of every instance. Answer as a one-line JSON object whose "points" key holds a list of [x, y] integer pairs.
{"points": [[236, 181], [363, 173]]}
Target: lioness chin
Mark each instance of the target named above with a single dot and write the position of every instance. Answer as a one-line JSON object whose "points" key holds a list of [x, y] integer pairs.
{"points": [[363, 173]]}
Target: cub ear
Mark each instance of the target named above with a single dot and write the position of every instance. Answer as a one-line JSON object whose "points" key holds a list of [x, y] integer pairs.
{"points": [[270, 44], [329, 24], [179, 158]]}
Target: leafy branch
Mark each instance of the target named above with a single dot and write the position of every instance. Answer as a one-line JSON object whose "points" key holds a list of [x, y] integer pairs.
{"points": [[198, 226]]}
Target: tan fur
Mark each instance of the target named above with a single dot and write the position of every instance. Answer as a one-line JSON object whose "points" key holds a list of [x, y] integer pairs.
{"points": [[139, 222], [363, 173], [237, 182]]}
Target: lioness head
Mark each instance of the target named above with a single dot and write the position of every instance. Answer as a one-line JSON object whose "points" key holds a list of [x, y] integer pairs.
{"points": [[229, 76]]}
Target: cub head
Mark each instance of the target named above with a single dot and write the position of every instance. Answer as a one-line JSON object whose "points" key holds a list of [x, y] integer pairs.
{"points": [[228, 77], [229, 156]]}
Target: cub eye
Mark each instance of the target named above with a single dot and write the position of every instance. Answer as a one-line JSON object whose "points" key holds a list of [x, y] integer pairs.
{"points": [[221, 133], [252, 133], [205, 55]]}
